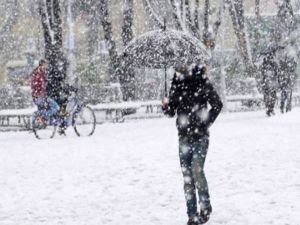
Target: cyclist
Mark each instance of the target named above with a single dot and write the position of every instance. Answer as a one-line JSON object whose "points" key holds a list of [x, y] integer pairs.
{"points": [[46, 106], [66, 91]]}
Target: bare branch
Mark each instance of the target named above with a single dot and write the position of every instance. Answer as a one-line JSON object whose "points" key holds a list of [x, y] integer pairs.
{"points": [[48, 33], [206, 24], [236, 12], [152, 14], [196, 14], [175, 15], [127, 33]]}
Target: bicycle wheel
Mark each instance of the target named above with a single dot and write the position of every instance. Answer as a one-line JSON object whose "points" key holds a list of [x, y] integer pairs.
{"points": [[84, 121], [40, 129]]}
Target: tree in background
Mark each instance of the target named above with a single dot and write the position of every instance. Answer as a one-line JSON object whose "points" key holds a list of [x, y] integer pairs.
{"points": [[286, 57], [52, 27], [187, 16], [236, 11], [102, 8], [7, 22], [127, 77], [285, 20]]}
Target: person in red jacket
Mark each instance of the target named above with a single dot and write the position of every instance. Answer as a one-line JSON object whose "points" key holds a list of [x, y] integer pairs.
{"points": [[47, 106]]}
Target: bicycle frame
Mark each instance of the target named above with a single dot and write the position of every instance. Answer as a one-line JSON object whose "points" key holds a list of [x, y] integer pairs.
{"points": [[73, 112], [72, 108]]}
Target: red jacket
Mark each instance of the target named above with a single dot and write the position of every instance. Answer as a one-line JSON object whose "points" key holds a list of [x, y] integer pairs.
{"points": [[38, 84]]}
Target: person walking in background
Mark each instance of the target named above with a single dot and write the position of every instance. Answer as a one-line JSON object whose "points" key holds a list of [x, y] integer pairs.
{"points": [[46, 105], [286, 79], [189, 96], [269, 71]]}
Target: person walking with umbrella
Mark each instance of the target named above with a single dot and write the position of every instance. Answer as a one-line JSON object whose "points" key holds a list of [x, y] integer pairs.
{"points": [[189, 96]]}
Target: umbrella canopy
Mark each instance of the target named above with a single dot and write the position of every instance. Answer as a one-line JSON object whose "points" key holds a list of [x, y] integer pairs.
{"points": [[160, 49]]}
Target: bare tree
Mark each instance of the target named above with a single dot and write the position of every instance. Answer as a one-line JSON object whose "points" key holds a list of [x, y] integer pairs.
{"points": [[93, 23], [52, 26], [206, 24], [256, 29], [12, 11], [127, 32], [102, 7], [285, 20], [127, 77], [51, 20], [196, 14], [236, 11], [158, 22], [187, 19], [176, 17]]}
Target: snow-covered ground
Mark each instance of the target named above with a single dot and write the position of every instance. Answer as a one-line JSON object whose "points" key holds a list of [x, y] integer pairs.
{"points": [[129, 174]]}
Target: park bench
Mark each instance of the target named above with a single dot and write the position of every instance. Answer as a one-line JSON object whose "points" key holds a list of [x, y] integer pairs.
{"points": [[117, 112], [16, 118]]}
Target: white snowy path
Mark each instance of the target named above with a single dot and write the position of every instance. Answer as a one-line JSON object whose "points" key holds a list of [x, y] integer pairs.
{"points": [[129, 174]]}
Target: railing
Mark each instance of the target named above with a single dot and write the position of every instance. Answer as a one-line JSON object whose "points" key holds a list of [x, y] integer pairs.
{"points": [[20, 119]]}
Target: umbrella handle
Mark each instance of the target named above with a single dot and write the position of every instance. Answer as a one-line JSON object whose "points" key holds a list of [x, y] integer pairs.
{"points": [[166, 91], [166, 88]]}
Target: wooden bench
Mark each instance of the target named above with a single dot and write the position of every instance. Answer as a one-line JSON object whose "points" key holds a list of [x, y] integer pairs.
{"points": [[116, 111], [20, 118]]}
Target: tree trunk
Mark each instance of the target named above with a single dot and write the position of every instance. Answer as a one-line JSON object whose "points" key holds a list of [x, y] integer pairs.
{"points": [[236, 11], [127, 33], [52, 27], [127, 79], [189, 22], [102, 7], [256, 32], [285, 20], [206, 24], [178, 24], [196, 15]]}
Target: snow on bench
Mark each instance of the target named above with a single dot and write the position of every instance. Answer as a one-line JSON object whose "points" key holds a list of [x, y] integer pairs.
{"points": [[16, 117], [116, 112]]}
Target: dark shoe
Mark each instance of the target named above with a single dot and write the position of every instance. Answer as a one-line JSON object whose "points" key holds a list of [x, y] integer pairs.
{"points": [[205, 214], [61, 131], [194, 220], [270, 113]]}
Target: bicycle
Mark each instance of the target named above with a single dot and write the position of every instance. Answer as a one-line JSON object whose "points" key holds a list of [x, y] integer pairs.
{"points": [[76, 114]]}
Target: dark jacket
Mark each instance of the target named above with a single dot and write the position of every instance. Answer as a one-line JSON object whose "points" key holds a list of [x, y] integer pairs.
{"points": [[56, 76], [269, 70], [189, 98]]}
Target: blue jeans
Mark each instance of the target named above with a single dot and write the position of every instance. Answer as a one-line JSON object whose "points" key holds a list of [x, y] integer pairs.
{"points": [[47, 107], [192, 156]]}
